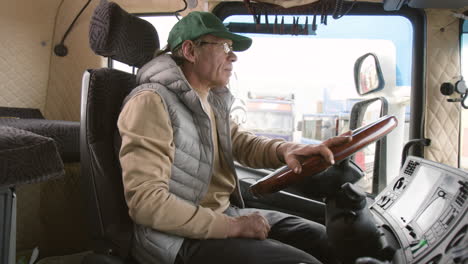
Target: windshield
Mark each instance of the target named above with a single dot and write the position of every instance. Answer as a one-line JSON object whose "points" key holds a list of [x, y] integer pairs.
{"points": [[269, 121], [317, 68]]}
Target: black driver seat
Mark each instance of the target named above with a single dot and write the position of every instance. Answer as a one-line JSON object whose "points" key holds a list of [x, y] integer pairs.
{"points": [[118, 35]]}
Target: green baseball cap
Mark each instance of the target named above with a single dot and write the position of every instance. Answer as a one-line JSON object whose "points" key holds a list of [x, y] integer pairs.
{"points": [[197, 24]]}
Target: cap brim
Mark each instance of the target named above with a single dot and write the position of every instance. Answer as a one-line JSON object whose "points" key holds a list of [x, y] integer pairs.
{"points": [[239, 42]]}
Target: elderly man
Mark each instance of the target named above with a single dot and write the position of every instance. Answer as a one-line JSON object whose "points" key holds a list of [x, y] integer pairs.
{"points": [[178, 148]]}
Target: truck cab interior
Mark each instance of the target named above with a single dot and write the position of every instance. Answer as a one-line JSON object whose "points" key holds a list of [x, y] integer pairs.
{"points": [[390, 71]]}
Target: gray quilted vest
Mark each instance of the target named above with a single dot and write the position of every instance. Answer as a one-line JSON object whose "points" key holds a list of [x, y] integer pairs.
{"points": [[193, 159]]}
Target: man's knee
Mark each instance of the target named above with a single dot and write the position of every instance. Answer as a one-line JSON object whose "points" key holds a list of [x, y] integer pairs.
{"points": [[295, 229], [287, 253]]}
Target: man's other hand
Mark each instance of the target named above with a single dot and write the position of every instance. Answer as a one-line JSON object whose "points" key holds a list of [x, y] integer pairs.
{"points": [[295, 154], [249, 226]]}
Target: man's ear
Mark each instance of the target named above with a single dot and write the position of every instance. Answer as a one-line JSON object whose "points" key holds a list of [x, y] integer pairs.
{"points": [[188, 49]]}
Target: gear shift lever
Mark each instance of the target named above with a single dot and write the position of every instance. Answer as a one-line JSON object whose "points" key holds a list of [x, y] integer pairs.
{"points": [[351, 228], [350, 225]]}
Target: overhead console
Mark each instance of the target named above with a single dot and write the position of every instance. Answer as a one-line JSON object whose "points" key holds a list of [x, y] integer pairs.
{"points": [[393, 5], [426, 210]]}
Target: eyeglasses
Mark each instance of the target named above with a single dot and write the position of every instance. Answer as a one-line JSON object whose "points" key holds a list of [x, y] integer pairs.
{"points": [[227, 48]]}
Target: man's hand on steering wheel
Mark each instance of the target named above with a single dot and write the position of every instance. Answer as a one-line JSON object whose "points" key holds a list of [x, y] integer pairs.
{"points": [[307, 160], [294, 154]]}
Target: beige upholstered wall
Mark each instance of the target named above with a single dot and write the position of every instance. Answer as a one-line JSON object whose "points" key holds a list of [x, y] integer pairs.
{"points": [[442, 118], [31, 75], [26, 30], [64, 86]]}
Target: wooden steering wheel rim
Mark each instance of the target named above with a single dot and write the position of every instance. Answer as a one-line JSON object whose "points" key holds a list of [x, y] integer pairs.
{"points": [[362, 137]]}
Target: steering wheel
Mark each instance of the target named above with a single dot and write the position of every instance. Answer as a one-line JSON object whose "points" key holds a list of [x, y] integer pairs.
{"points": [[362, 137]]}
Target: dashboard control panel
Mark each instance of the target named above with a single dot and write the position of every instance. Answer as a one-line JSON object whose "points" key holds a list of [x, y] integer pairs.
{"points": [[425, 208]]}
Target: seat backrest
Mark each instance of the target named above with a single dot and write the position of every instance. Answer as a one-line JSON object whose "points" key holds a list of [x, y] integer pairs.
{"points": [[121, 36]]}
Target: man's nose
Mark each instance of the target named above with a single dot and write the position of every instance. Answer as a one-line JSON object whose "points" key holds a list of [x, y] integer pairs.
{"points": [[232, 56]]}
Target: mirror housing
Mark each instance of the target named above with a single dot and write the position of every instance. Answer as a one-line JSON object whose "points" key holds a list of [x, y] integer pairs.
{"points": [[368, 75]]}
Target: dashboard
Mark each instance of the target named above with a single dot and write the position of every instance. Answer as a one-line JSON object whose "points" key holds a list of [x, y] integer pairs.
{"points": [[424, 209]]}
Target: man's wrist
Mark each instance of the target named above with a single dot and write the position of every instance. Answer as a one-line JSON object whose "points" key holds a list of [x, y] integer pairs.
{"points": [[233, 230], [281, 150]]}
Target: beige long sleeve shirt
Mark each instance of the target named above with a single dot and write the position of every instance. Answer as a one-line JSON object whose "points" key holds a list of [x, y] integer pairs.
{"points": [[146, 157]]}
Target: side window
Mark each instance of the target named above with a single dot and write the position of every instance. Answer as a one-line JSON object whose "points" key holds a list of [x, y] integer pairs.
{"points": [[301, 87], [163, 25], [464, 114]]}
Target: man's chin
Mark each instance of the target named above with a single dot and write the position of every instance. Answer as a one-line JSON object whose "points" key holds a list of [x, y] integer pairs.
{"points": [[219, 84], [223, 83]]}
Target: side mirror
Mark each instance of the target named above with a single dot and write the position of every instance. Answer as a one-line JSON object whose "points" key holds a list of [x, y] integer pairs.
{"points": [[368, 75]]}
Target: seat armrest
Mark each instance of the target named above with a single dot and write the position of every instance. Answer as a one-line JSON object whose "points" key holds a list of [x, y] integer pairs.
{"points": [[26, 157], [66, 134]]}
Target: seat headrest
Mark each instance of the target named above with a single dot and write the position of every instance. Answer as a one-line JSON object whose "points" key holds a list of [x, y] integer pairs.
{"points": [[122, 36]]}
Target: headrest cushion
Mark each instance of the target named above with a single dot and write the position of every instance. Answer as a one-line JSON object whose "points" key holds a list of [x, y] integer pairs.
{"points": [[121, 36]]}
